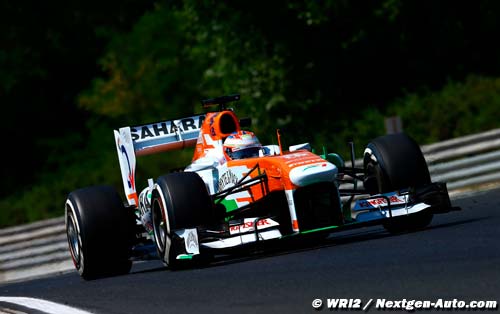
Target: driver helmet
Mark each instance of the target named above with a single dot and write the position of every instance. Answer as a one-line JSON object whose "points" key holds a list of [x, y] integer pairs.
{"points": [[242, 144]]}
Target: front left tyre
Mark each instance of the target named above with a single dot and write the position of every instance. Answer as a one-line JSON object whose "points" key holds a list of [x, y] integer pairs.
{"points": [[100, 232], [394, 162], [180, 201]]}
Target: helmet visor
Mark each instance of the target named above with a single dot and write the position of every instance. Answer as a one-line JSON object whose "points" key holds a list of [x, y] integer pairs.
{"points": [[245, 153]]}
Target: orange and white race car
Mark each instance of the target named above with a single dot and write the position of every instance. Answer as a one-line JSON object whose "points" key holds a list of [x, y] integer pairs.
{"points": [[237, 192]]}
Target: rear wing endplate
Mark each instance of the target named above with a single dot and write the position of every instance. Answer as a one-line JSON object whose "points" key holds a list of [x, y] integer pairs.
{"points": [[150, 139]]}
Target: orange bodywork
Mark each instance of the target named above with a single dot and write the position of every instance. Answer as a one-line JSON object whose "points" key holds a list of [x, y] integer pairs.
{"points": [[277, 169], [216, 127]]}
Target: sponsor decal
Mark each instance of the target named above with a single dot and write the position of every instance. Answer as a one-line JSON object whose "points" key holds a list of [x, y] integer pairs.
{"points": [[130, 177], [309, 167], [248, 225], [381, 201], [301, 159], [211, 123], [192, 242], [166, 128], [295, 155], [190, 237], [228, 178]]}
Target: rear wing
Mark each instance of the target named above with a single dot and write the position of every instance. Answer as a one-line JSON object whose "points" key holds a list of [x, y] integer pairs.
{"points": [[167, 135], [150, 139], [220, 101]]}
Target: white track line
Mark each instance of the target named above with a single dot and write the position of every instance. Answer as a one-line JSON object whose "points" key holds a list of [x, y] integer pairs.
{"points": [[43, 305]]}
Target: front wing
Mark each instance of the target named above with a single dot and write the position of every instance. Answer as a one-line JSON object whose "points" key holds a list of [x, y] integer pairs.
{"points": [[373, 210]]}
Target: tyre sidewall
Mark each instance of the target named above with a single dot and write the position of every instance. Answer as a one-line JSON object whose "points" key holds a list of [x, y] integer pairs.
{"points": [[184, 203], [397, 162], [162, 245], [73, 216], [400, 161], [105, 231]]}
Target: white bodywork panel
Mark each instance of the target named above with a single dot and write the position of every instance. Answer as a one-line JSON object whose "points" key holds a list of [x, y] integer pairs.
{"points": [[243, 239], [126, 157], [190, 237], [384, 212]]}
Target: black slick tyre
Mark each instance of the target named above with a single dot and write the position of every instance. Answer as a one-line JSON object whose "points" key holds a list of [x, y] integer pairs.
{"points": [[100, 232], [394, 162], [179, 201]]}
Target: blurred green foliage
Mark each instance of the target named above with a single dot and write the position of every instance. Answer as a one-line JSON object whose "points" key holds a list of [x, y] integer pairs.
{"points": [[325, 72], [459, 108]]}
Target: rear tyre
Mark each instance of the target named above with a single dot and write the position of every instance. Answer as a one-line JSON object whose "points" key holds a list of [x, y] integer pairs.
{"points": [[393, 162], [100, 232], [179, 201]]}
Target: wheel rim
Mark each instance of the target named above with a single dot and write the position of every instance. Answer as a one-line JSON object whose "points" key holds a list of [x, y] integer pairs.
{"points": [[159, 226], [371, 181], [73, 240]]}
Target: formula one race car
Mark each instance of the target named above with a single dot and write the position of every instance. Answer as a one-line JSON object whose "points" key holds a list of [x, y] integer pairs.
{"points": [[237, 192]]}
